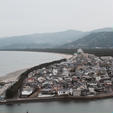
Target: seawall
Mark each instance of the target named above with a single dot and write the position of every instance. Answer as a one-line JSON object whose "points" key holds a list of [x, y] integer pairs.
{"points": [[57, 98], [12, 91]]}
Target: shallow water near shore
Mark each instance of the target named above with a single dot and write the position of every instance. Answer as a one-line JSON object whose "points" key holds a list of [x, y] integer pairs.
{"points": [[12, 61], [94, 106]]}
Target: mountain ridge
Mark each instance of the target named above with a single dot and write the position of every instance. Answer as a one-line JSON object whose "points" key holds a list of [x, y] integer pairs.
{"points": [[93, 40], [46, 40]]}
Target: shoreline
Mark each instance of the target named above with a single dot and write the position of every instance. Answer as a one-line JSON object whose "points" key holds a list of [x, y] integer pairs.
{"points": [[96, 51], [60, 98], [15, 74], [12, 76]]}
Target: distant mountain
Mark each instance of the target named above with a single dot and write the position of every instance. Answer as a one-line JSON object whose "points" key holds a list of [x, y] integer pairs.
{"points": [[64, 39], [93, 40], [41, 40], [103, 30]]}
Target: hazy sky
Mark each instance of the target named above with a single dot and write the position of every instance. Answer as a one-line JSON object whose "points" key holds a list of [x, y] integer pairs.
{"points": [[32, 16]]}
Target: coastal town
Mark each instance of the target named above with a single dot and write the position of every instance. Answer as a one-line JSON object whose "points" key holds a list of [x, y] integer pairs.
{"points": [[82, 74]]}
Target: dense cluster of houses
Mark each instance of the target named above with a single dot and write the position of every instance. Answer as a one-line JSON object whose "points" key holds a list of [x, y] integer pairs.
{"points": [[81, 75]]}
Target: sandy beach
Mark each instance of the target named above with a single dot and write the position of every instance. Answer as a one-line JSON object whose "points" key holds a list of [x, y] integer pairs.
{"points": [[12, 76]]}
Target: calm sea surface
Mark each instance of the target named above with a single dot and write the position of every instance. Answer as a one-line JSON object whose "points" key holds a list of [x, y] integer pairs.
{"points": [[12, 61]]}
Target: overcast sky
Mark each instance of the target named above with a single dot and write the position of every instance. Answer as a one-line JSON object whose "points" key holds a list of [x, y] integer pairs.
{"points": [[19, 17]]}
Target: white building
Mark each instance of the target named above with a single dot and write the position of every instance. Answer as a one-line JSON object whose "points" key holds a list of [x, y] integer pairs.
{"points": [[63, 92]]}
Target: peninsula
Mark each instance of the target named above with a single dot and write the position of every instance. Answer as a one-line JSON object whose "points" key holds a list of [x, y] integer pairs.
{"points": [[82, 76]]}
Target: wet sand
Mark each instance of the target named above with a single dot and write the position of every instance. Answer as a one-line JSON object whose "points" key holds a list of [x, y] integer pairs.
{"points": [[12, 76]]}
